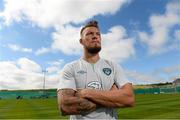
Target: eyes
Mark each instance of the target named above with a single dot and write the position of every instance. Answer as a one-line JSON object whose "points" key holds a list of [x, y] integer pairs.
{"points": [[92, 33]]}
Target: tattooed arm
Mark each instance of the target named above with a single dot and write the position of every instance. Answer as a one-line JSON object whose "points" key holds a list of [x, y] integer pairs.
{"points": [[70, 104], [123, 97]]}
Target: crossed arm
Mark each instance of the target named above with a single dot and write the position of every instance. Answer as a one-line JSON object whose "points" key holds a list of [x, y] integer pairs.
{"points": [[115, 98], [70, 104], [86, 100]]}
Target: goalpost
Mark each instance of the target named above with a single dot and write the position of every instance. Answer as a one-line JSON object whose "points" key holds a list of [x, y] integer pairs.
{"points": [[168, 89]]}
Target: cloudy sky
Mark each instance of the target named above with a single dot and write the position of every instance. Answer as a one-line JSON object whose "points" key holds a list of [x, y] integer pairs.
{"points": [[141, 35]]}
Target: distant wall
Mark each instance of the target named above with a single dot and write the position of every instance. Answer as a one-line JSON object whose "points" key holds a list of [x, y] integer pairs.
{"points": [[158, 90], [27, 94], [52, 93]]}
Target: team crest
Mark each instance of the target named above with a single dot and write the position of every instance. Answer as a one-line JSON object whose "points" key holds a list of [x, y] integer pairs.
{"points": [[107, 71]]}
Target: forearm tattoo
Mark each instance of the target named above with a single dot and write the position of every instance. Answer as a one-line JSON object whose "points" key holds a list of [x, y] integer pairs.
{"points": [[75, 103], [68, 92], [85, 106]]}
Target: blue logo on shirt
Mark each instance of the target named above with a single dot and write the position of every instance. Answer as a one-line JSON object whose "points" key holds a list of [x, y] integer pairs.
{"points": [[107, 71]]}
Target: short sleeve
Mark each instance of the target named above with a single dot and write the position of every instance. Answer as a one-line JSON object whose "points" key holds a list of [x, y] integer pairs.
{"points": [[119, 78], [66, 79]]}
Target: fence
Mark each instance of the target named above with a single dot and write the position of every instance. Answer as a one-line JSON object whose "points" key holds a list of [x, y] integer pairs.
{"points": [[52, 93], [158, 90], [27, 94]]}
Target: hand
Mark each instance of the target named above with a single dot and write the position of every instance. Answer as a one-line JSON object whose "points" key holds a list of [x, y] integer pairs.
{"points": [[78, 93], [82, 93]]}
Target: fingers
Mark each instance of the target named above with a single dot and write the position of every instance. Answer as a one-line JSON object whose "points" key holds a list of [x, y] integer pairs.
{"points": [[80, 93]]}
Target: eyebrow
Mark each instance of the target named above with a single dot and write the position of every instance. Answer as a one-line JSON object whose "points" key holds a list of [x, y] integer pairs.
{"points": [[90, 32]]}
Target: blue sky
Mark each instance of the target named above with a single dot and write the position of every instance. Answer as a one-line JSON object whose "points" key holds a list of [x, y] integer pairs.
{"points": [[141, 35]]}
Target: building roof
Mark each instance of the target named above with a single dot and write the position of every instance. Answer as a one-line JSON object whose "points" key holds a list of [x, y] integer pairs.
{"points": [[176, 81]]}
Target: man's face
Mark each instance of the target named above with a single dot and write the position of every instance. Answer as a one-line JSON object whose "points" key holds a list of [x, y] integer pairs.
{"points": [[91, 39]]}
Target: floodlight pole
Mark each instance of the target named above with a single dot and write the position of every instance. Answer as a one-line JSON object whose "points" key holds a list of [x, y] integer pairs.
{"points": [[44, 71], [175, 87]]}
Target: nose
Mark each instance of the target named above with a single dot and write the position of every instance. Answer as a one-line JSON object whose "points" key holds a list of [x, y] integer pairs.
{"points": [[94, 38]]}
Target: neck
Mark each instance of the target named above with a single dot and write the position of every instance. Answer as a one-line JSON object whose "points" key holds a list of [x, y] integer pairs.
{"points": [[91, 58]]}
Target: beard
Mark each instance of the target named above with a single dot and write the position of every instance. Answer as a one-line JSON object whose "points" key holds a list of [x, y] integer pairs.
{"points": [[93, 50]]}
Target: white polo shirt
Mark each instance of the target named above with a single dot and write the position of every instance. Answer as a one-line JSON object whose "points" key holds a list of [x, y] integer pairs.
{"points": [[101, 75]]}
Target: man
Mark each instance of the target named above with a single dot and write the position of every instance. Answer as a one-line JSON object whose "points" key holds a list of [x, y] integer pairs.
{"points": [[91, 87]]}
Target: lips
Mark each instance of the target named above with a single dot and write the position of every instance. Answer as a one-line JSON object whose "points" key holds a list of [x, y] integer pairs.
{"points": [[95, 42]]}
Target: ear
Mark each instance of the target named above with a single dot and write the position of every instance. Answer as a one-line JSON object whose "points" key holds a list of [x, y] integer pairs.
{"points": [[80, 40]]}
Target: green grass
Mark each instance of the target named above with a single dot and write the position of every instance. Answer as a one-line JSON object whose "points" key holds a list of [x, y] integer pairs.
{"points": [[29, 108], [161, 106]]}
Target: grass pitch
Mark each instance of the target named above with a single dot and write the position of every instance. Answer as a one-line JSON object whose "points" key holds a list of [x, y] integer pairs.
{"points": [[160, 106]]}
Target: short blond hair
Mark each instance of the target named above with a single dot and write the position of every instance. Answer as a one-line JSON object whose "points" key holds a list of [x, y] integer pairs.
{"points": [[92, 23]]}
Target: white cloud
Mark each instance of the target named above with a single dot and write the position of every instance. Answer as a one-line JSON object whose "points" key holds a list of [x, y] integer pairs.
{"points": [[16, 48], [51, 13], [171, 69], [1, 26], [161, 26], [27, 50], [42, 50], [60, 14], [24, 74], [28, 65], [56, 63], [177, 35], [55, 66], [162, 75], [115, 41], [142, 78], [52, 69], [116, 45], [66, 40]]}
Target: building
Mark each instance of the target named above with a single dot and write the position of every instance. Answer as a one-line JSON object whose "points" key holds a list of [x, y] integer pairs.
{"points": [[176, 81]]}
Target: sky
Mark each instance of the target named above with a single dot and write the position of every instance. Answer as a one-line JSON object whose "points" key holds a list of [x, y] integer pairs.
{"points": [[143, 36]]}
